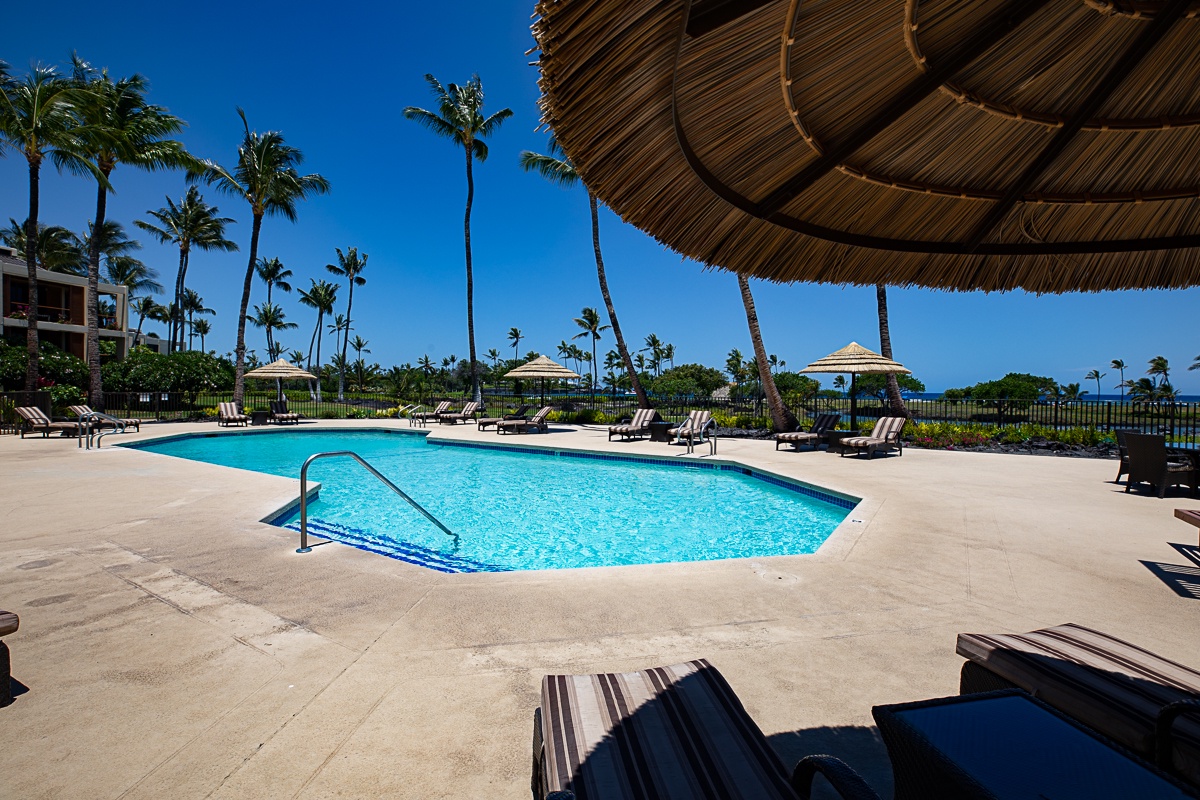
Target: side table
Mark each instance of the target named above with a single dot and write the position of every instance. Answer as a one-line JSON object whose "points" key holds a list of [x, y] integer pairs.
{"points": [[259, 417], [834, 439], [658, 431]]}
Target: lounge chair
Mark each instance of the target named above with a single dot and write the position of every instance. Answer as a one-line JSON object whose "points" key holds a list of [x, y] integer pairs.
{"points": [[9, 622], [35, 420], [694, 428], [468, 412], [535, 423], [1150, 463], [1122, 452], [228, 414], [1139, 699], [676, 731], [84, 411], [484, 422], [280, 414], [884, 438], [421, 417], [821, 425], [637, 426]]}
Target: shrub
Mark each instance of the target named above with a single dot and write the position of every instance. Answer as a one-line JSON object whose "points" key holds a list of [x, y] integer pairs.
{"points": [[209, 413], [328, 413], [387, 413]]}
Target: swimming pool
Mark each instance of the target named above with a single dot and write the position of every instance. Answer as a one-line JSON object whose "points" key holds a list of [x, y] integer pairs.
{"points": [[517, 508]]}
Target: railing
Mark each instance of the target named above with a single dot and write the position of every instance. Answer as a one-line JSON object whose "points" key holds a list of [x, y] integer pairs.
{"points": [[94, 423], [304, 548]]}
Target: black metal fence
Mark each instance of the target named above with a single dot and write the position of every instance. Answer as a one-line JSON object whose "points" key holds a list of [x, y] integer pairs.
{"points": [[10, 421], [1178, 420]]}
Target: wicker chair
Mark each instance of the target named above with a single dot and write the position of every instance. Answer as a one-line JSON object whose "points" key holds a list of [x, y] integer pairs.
{"points": [[535, 423], [483, 423], [637, 426], [1123, 452], [34, 420], [1150, 463], [821, 425], [228, 414], [884, 437], [84, 411], [453, 418]]}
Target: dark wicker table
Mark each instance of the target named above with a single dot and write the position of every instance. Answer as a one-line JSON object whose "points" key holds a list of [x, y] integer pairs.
{"points": [[658, 431], [1007, 745], [259, 417], [834, 439]]}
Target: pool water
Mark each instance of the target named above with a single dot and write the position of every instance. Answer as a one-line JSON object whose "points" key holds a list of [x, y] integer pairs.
{"points": [[519, 509]]}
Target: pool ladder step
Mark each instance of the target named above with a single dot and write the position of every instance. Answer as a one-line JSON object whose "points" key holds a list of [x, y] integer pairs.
{"points": [[402, 551]]}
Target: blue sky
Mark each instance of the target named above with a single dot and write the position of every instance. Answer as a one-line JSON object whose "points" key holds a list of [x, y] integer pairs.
{"points": [[336, 83]]}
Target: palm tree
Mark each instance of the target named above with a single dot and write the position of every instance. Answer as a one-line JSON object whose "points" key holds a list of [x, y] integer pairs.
{"points": [[669, 355], [145, 307], [273, 273], [131, 273], [271, 317], [494, 355], [201, 328], [895, 400], [56, 249], [339, 328], [37, 119], [589, 320], [1119, 365], [515, 336], [193, 304], [296, 357], [459, 117], [359, 345], [350, 267], [119, 127], [320, 296], [1160, 369], [557, 168], [781, 417], [267, 178], [191, 223], [654, 346], [1095, 375]]}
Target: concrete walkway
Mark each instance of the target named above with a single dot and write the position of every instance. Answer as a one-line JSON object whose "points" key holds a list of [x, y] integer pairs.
{"points": [[174, 646]]}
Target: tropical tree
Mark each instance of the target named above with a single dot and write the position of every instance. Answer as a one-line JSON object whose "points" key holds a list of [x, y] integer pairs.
{"points": [[131, 273], [268, 179], [1159, 370], [839, 383], [193, 304], [272, 272], [119, 127], [515, 336], [359, 345], [37, 119], [734, 365], [56, 249], [321, 297], [340, 327], [668, 353], [1095, 375], [781, 417], [1119, 365], [654, 346], [296, 357], [270, 318], [895, 399], [459, 117], [350, 267], [202, 328], [146, 307], [191, 223], [558, 169], [589, 321], [494, 355]]}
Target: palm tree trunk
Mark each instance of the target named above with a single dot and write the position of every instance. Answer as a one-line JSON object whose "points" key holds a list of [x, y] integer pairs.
{"points": [[190, 335], [345, 340], [781, 418], [202, 344], [476, 395], [31, 333], [642, 399], [177, 303], [318, 372], [138, 333], [239, 379], [95, 386], [885, 348]]}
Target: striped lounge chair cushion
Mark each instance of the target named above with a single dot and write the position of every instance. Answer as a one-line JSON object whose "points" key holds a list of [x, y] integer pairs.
{"points": [[667, 732], [797, 436], [861, 441], [1105, 683]]}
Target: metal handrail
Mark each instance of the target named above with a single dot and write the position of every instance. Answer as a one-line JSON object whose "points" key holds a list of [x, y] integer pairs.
{"points": [[304, 548], [94, 431]]}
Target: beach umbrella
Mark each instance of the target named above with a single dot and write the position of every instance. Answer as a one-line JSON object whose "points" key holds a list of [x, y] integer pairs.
{"points": [[856, 360], [544, 368], [280, 371], [997, 144]]}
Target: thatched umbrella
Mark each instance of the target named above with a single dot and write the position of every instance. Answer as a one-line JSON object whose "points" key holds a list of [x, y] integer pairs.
{"points": [[541, 367], [998, 144], [856, 360], [280, 371]]}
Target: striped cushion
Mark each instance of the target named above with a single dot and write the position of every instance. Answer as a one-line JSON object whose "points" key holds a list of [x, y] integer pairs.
{"points": [[1102, 681], [667, 732], [797, 436], [861, 441]]}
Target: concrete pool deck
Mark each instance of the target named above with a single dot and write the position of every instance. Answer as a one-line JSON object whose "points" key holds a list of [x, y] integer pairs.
{"points": [[175, 646]]}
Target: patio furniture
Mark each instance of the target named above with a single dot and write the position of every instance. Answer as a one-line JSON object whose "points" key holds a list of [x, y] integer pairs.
{"points": [[9, 622], [694, 428], [535, 423], [484, 422], [884, 438], [1149, 462], [421, 417], [660, 430], [676, 731], [280, 415], [85, 411], [821, 425], [468, 412], [228, 414], [1189, 515], [636, 426], [34, 420], [1006, 744], [1141, 700], [1122, 452]]}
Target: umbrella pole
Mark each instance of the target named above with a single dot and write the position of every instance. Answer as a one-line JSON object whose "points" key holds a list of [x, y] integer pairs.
{"points": [[279, 389], [853, 401]]}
